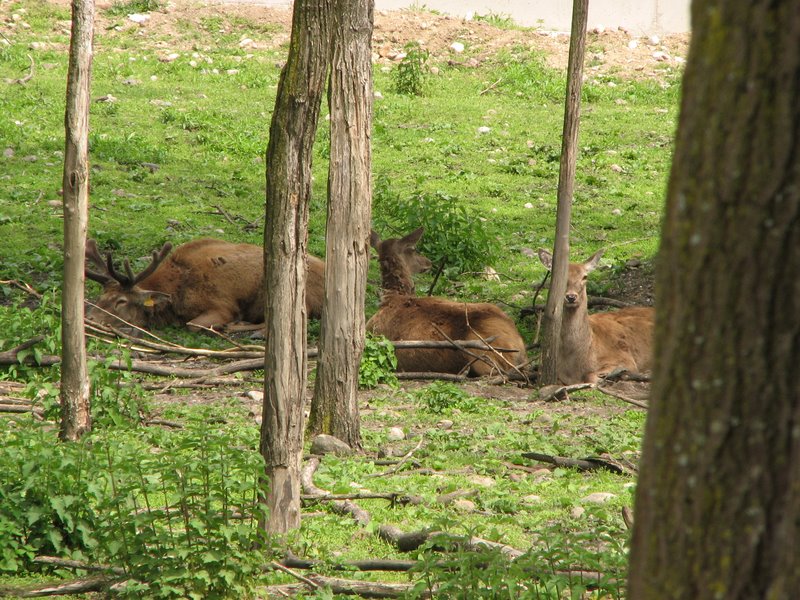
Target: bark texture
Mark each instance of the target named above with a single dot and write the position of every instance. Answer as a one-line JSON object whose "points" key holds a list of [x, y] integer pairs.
{"points": [[334, 409], [288, 174], [75, 414], [718, 499], [551, 321]]}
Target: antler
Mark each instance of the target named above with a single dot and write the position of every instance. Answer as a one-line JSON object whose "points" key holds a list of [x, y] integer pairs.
{"points": [[109, 273], [93, 256]]}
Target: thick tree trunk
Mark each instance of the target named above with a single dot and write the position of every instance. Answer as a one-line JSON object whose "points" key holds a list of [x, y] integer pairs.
{"points": [[75, 414], [551, 321], [334, 409], [294, 125], [718, 499]]}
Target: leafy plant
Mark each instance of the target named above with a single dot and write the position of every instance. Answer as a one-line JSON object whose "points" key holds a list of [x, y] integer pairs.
{"points": [[411, 73], [134, 6], [378, 363], [455, 237], [441, 396]]}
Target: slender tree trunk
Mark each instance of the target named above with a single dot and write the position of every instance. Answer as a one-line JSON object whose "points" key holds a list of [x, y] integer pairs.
{"points": [[75, 414], [294, 125], [718, 499], [551, 321], [334, 409]]}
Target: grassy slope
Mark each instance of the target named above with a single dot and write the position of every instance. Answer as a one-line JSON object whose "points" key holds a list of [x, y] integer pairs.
{"points": [[206, 132]]}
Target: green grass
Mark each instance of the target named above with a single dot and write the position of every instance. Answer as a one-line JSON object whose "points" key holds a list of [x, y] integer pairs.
{"points": [[202, 120]]}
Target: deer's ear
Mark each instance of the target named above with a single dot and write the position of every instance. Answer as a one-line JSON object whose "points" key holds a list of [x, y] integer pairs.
{"points": [[546, 258], [374, 239], [591, 264], [152, 300], [413, 237]]}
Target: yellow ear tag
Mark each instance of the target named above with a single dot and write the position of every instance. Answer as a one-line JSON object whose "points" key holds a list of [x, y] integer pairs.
{"points": [[149, 303]]}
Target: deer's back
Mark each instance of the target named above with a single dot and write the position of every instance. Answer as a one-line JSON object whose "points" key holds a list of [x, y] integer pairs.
{"points": [[623, 339], [403, 317]]}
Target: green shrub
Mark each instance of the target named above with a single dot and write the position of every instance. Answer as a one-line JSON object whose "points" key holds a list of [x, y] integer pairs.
{"points": [[411, 73], [455, 237], [441, 396], [378, 363]]}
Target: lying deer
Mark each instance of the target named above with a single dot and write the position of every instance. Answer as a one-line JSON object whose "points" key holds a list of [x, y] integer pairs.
{"points": [[404, 316], [594, 345], [205, 283]]}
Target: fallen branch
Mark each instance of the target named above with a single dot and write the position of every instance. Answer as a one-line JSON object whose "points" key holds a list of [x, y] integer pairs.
{"points": [[592, 463], [403, 460], [77, 586], [64, 563], [25, 287], [408, 542], [363, 589], [561, 392], [342, 507], [294, 562]]}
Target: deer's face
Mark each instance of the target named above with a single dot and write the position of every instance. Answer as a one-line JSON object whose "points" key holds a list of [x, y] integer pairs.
{"points": [[575, 295], [413, 260], [117, 307]]}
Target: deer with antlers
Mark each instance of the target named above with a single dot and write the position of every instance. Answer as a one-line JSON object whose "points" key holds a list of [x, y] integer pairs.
{"points": [[404, 316], [594, 345], [204, 284]]}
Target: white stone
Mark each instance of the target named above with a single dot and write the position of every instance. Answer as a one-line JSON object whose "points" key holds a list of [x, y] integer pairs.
{"points": [[457, 47], [598, 497], [395, 434], [484, 129], [255, 395], [377, 95], [577, 512], [528, 205], [138, 18], [633, 44]]}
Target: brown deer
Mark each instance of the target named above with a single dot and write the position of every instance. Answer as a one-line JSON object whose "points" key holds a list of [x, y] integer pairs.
{"points": [[205, 283], [594, 345], [404, 316]]}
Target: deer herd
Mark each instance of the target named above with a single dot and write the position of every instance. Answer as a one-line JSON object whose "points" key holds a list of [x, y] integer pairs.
{"points": [[214, 284]]}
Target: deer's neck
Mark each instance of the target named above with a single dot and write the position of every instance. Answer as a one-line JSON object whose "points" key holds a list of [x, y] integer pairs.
{"points": [[576, 355], [396, 278]]}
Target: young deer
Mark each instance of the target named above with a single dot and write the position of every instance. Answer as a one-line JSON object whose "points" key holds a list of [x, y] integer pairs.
{"points": [[594, 345], [404, 316], [205, 283]]}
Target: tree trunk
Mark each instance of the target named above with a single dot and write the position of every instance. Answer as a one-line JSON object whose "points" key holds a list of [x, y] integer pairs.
{"points": [[334, 408], [75, 414], [551, 318], [294, 125], [718, 499]]}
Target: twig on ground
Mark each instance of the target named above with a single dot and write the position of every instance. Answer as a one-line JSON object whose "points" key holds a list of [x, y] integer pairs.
{"points": [[403, 460], [25, 287]]}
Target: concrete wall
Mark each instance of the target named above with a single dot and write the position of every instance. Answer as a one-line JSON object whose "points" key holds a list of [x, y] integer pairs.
{"points": [[640, 17]]}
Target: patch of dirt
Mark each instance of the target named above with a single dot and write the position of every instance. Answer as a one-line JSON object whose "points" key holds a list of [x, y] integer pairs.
{"points": [[634, 283], [609, 52]]}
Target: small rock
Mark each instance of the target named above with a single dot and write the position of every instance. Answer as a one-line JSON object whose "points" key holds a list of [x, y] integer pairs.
{"points": [[472, 63], [327, 444], [633, 263], [8, 152], [131, 81], [633, 44], [653, 40], [152, 167], [616, 168], [232, 71], [457, 47], [377, 95], [54, 203], [254, 395], [464, 505], [660, 56], [138, 18], [434, 70], [445, 424], [172, 57], [395, 434], [484, 129], [482, 481], [108, 98], [163, 103], [598, 497], [528, 205], [529, 252], [577, 512], [245, 42], [453, 496], [616, 212], [531, 499], [30, 158]]}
